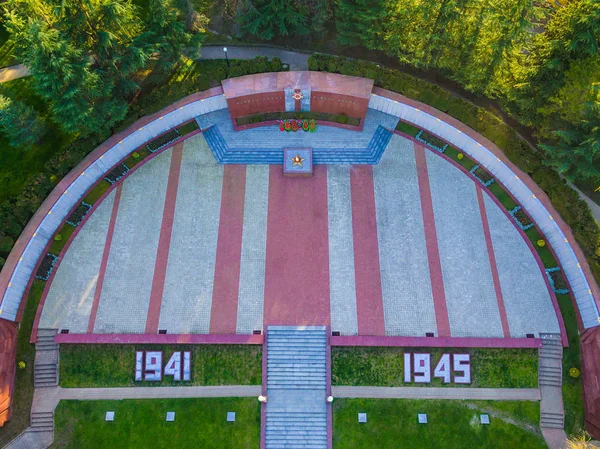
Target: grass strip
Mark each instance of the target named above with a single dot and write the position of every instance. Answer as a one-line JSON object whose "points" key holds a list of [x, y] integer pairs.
{"points": [[392, 423], [114, 365], [140, 424], [384, 367]]}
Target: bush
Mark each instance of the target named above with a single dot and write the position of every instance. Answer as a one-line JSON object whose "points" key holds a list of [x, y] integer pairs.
{"points": [[342, 119], [57, 238], [6, 243]]}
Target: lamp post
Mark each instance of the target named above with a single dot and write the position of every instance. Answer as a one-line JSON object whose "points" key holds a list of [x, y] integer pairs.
{"points": [[226, 58]]}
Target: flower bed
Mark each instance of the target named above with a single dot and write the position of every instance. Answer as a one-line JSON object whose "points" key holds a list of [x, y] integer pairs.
{"points": [[116, 173], [307, 115], [521, 218], [431, 141], [298, 125], [163, 140], [483, 176], [557, 281], [46, 267], [407, 128], [79, 214]]}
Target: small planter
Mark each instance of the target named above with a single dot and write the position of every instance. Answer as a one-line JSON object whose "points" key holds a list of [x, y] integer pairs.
{"points": [[574, 372], [541, 243], [460, 156], [116, 173], [163, 140], [521, 218], [481, 175], [79, 214], [57, 238], [46, 267], [431, 141], [556, 280]]}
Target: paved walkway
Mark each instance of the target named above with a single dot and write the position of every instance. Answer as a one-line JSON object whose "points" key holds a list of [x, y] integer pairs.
{"points": [[296, 60], [485, 394], [13, 72]]}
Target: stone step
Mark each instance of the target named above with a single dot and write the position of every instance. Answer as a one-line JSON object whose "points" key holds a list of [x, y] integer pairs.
{"points": [[46, 428]]}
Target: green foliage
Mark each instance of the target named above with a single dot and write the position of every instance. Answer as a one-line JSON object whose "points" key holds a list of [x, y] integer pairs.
{"points": [[20, 123], [269, 18], [358, 22]]}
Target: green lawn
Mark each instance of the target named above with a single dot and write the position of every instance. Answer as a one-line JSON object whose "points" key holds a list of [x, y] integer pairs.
{"points": [[392, 424], [114, 365], [380, 366], [139, 424]]}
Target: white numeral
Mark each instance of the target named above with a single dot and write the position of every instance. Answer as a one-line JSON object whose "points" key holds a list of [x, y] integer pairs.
{"points": [[173, 367], [139, 357], [442, 369], [422, 368], [462, 364], [153, 366], [187, 356], [407, 367]]}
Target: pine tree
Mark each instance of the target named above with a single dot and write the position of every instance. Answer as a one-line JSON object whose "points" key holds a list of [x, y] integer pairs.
{"points": [[358, 22], [269, 18], [20, 123]]}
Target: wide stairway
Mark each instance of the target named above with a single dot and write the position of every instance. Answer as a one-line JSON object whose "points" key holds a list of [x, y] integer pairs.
{"points": [[296, 387], [227, 155]]}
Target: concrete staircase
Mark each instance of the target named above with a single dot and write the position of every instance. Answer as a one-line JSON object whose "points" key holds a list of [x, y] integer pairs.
{"points": [[226, 155], [45, 372], [296, 388], [550, 381]]}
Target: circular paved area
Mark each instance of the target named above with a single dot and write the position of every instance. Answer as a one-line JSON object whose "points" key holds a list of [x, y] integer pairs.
{"points": [[406, 247]]}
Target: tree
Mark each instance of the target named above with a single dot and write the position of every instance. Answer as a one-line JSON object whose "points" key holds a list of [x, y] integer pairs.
{"points": [[168, 35], [269, 18], [20, 123], [576, 150], [82, 55], [359, 22]]}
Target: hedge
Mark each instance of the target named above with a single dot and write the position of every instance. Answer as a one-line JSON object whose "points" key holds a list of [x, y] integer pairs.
{"points": [[565, 200]]}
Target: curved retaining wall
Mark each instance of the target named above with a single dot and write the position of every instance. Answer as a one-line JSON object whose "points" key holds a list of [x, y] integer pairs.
{"points": [[20, 266], [582, 290], [22, 262]]}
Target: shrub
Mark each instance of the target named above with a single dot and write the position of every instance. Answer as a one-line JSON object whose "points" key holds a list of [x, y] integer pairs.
{"points": [[22, 365], [57, 238], [6, 243], [460, 156], [342, 119], [574, 372], [541, 243], [135, 155]]}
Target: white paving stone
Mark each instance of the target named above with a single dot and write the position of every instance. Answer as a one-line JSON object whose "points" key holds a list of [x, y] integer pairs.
{"points": [[405, 280], [470, 295], [341, 251], [69, 301], [526, 298], [125, 295], [187, 298], [254, 250]]}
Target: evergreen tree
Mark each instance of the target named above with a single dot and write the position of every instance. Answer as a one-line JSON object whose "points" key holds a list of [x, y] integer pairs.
{"points": [[359, 22], [168, 34], [20, 123], [269, 18]]}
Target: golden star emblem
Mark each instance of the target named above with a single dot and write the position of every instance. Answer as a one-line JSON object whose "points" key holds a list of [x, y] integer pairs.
{"points": [[297, 160]]}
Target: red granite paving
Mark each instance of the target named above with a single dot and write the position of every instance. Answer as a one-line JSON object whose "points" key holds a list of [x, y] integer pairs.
{"points": [[297, 260], [431, 243], [223, 317], [8, 360], [493, 265], [369, 296], [105, 254], [164, 241]]}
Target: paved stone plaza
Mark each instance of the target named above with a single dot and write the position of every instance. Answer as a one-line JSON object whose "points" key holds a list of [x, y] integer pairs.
{"points": [[401, 248]]}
